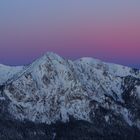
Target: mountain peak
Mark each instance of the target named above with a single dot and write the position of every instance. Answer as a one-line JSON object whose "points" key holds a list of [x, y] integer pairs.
{"points": [[50, 58], [52, 55]]}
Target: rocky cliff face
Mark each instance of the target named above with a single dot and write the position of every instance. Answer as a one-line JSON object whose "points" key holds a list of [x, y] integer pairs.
{"points": [[102, 98]]}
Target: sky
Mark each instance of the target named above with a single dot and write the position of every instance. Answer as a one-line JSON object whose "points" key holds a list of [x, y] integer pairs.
{"points": [[105, 29]]}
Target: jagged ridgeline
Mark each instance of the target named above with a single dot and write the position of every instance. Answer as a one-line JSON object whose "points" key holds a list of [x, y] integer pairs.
{"points": [[55, 98]]}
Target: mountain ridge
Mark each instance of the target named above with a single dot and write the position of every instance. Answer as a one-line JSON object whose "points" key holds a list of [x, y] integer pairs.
{"points": [[25, 67]]}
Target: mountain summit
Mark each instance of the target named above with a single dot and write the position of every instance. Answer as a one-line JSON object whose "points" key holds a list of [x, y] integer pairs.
{"points": [[52, 89]]}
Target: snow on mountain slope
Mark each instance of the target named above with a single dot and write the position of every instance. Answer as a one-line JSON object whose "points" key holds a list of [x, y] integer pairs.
{"points": [[55, 89], [7, 72], [114, 69]]}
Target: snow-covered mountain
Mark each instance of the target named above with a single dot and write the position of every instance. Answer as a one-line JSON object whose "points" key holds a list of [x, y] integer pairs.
{"points": [[54, 89], [7, 72]]}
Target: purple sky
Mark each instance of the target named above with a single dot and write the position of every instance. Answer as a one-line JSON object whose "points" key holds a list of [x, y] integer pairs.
{"points": [[107, 30]]}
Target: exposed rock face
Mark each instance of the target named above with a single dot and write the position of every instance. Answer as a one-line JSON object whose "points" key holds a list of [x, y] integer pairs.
{"points": [[52, 89]]}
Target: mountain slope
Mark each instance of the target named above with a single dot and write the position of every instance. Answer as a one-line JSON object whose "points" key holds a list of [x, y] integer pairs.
{"points": [[7, 72], [54, 89]]}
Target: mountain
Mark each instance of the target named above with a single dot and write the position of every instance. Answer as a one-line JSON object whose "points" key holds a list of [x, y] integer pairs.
{"points": [[55, 98]]}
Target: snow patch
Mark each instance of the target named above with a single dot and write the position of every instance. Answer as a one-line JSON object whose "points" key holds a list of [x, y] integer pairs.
{"points": [[138, 91], [106, 118], [2, 98], [7, 72]]}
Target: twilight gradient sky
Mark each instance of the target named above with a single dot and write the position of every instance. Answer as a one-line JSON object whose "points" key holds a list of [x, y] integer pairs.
{"points": [[104, 29]]}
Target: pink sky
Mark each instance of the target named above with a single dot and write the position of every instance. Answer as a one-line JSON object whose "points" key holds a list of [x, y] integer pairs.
{"points": [[105, 30]]}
